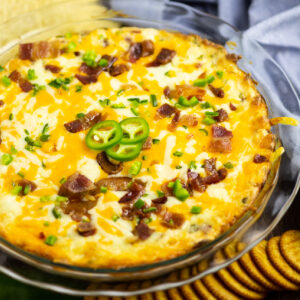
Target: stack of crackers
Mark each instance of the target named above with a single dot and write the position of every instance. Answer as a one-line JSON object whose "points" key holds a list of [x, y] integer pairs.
{"points": [[272, 265]]}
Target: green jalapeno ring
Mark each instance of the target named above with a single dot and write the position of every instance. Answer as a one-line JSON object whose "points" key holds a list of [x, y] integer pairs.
{"points": [[135, 130], [123, 152], [103, 135]]}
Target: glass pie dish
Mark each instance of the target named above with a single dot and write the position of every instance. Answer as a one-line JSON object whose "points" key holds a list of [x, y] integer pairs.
{"points": [[274, 199]]}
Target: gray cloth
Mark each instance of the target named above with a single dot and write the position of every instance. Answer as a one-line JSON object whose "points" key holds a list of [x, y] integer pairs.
{"points": [[275, 24]]}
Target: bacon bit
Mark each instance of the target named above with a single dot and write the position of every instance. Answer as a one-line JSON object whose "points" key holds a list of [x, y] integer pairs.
{"points": [[219, 132], [95, 71], [258, 159], [167, 92], [147, 144], [223, 115], [110, 61], [25, 85], [233, 57], [89, 120], [166, 110], [138, 50], [136, 190], [77, 53], [164, 56], [1, 103], [143, 231], [160, 200], [25, 182], [25, 51], [174, 123], [188, 120], [218, 92], [76, 186], [173, 220], [86, 79], [86, 229], [117, 70], [42, 235], [187, 91], [232, 107], [221, 141], [15, 76], [202, 75], [154, 162], [114, 183], [52, 68], [167, 190]]}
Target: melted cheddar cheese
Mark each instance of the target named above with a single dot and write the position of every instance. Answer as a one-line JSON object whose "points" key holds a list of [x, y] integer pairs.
{"points": [[28, 220]]}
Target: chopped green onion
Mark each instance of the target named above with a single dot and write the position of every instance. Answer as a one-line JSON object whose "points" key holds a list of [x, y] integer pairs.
{"points": [[43, 164], [135, 168], [160, 193], [13, 150], [144, 157], [200, 82], [89, 58], [61, 198], [63, 180], [78, 88], [103, 62], [80, 115], [16, 190], [45, 198], [148, 220], [210, 79], [115, 218], [27, 189], [178, 167], [31, 74], [6, 81], [171, 184], [208, 121], [44, 137], [205, 105], [220, 74], [68, 35], [71, 46], [153, 100], [211, 113], [155, 141], [103, 189], [228, 165], [6, 159], [133, 110], [11, 117], [45, 128], [50, 240], [192, 165], [26, 131], [196, 210], [119, 105], [104, 102], [179, 191], [1, 69], [37, 88], [204, 131], [149, 209], [21, 174], [139, 204], [56, 213], [119, 92], [178, 153], [46, 223]]}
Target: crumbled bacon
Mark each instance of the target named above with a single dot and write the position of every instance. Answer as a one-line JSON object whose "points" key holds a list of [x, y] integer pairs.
{"points": [[164, 56], [117, 70], [187, 91], [220, 132], [91, 71], [174, 123], [25, 51], [167, 92], [114, 183], [188, 120], [76, 186], [136, 190], [87, 79], [232, 107], [160, 200], [223, 115], [143, 231], [42, 235], [52, 68], [15, 76], [86, 229], [166, 110], [233, 57], [43, 49], [1, 103], [110, 61], [258, 159], [24, 84], [218, 92], [77, 208], [89, 120], [25, 182], [106, 165], [138, 50], [147, 143], [173, 220]]}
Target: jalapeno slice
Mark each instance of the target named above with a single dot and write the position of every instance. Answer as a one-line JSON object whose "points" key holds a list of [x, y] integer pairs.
{"points": [[122, 152], [135, 130], [103, 135], [188, 103]]}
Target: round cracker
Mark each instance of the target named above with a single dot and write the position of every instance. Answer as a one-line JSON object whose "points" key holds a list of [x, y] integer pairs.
{"points": [[290, 248], [147, 296], [161, 295], [218, 289], [174, 294], [187, 290], [248, 265], [225, 276], [279, 262], [238, 272], [260, 258]]}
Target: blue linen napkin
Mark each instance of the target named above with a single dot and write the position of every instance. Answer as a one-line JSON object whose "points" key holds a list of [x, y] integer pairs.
{"points": [[275, 24]]}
